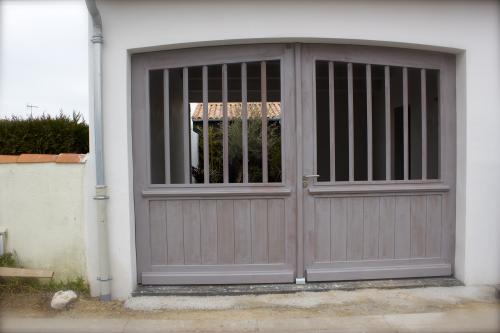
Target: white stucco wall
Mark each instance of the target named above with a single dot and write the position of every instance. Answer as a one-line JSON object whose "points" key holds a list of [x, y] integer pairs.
{"points": [[41, 205], [470, 29]]}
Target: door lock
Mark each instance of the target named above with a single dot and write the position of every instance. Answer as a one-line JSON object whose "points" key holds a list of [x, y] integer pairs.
{"points": [[305, 179]]}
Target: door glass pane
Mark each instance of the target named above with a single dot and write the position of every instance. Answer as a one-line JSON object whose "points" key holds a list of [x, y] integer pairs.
{"points": [[360, 121], [235, 142], [378, 121], [274, 120], [215, 123], [195, 124], [414, 123], [322, 121], [433, 141], [156, 125], [176, 137], [397, 139], [341, 123], [254, 123]]}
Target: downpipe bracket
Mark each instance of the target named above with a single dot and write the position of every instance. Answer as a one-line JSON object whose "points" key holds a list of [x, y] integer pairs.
{"points": [[103, 279], [97, 39]]}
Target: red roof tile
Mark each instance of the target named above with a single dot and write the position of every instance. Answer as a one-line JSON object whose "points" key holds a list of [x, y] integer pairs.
{"points": [[234, 111]]}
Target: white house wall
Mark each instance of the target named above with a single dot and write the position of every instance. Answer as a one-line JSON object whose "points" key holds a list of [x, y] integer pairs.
{"points": [[469, 29]]}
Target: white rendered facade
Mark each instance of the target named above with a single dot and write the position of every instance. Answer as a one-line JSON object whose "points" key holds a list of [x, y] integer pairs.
{"points": [[470, 30]]}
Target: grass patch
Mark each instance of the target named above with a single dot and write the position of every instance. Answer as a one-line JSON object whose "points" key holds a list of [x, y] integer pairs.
{"points": [[8, 260], [31, 285]]}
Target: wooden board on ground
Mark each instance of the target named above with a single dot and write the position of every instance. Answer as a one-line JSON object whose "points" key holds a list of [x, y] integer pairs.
{"points": [[25, 272]]}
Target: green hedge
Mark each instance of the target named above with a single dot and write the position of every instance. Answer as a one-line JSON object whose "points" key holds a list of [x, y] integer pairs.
{"points": [[44, 135]]}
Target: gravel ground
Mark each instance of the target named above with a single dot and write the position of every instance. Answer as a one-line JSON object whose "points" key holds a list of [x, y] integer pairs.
{"points": [[369, 301], [274, 306]]}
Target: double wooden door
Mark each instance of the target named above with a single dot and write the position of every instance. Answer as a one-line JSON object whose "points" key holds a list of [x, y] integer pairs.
{"points": [[267, 163]]}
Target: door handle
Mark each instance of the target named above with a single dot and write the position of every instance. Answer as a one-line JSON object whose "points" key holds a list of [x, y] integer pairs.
{"points": [[305, 179]]}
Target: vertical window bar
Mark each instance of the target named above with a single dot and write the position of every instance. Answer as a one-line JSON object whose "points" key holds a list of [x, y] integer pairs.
{"points": [[423, 102], [369, 132], [331, 93], [148, 137], [206, 153], [244, 119], [166, 123], [351, 121], [263, 88], [185, 127], [225, 140], [405, 123], [387, 81]]}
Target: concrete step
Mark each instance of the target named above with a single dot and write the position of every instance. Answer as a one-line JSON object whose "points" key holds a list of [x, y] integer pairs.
{"points": [[284, 288]]}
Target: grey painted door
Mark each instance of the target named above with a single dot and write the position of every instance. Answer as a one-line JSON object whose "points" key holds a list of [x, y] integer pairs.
{"points": [[353, 178], [379, 131], [214, 193]]}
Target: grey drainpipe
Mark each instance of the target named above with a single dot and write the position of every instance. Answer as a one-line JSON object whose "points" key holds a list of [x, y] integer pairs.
{"points": [[101, 197]]}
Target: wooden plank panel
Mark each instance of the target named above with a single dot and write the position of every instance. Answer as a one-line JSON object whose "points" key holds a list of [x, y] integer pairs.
{"points": [[355, 229], [387, 83], [386, 234], [225, 232], [418, 218], [208, 219], [192, 232], [263, 88], [434, 226], [244, 116], [276, 227], [448, 227], [406, 149], [402, 228], [331, 95], [166, 123], [322, 229], [242, 232], [338, 227], [290, 232], [175, 230], [185, 125], [369, 131], [158, 232], [423, 102], [217, 275], [206, 153], [371, 215], [350, 111], [259, 231], [225, 135]]}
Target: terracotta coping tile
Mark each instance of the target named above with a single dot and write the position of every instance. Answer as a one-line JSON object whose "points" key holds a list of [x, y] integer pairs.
{"points": [[70, 158], [67, 158], [8, 159], [36, 158]]}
